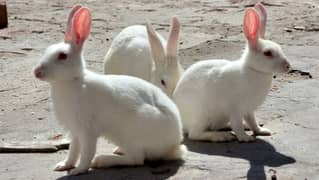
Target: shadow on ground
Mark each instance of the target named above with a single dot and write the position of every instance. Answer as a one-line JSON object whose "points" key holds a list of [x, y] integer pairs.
{"points": [[259, 154], [151, 170]]}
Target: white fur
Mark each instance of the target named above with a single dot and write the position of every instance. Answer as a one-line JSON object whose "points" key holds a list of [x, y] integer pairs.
{"points": [[132, 113], [130, 54], [213, 93]]}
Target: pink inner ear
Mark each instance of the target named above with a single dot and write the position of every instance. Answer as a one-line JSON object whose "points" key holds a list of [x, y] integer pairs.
{"points": [[251, 25], [82, 25]]}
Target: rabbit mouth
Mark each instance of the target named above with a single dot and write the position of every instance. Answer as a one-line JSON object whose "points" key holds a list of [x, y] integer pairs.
{"points": [[286, 67], [39, 73]]}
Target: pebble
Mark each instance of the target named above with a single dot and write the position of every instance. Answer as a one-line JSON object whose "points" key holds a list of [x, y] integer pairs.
{"points": [[288, 30], [300, 28]]}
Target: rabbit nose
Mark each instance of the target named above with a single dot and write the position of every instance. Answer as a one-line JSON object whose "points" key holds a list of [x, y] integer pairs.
{"points": [[38, 72]]}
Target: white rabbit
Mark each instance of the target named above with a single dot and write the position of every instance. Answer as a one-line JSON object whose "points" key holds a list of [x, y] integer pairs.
{"points": [[140, 51], [132, 113], [214, 93]]}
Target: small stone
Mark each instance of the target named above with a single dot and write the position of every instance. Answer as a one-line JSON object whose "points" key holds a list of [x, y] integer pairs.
{"points": [[27, 49], [273, 174], [279, 116], [288, 30], [299, 28], [37, 31], [56, 137], [274, 177], [40, 118]]}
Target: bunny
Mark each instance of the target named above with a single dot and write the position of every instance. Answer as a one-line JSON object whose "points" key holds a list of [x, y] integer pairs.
{"points": [[214, 93], [132, 113], [140, 51]]}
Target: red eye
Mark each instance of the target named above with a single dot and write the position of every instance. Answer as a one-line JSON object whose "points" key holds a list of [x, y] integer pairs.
{"points": [[268, 53], [62, 56], [163, 82]]}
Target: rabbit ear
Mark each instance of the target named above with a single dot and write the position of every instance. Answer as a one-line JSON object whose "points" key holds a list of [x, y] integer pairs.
{"points": [[81, 26], [251, 27], [68, 33], [263, 19], [172, 43], [155, 44]]}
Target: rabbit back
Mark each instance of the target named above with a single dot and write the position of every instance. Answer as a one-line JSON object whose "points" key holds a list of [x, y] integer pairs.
{"points": [[130, 54]]}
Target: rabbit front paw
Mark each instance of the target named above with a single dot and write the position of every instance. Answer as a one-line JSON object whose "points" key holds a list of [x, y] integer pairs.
{"points": [[223, 137], [63, 166], [246, 138], [99, 162], [77, 171], [262, 132]]}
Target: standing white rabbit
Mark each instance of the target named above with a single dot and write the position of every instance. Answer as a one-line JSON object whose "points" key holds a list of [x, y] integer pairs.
{"points": [[132, 113], [140, 51], [214, 93]]}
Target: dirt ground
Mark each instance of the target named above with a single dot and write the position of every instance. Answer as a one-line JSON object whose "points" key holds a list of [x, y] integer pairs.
{"points": [[210, 29]]}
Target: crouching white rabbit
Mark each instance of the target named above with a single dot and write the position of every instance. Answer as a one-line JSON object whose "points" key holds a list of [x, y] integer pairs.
{"points": [[139, 51], [213, 93], [132, 113]]}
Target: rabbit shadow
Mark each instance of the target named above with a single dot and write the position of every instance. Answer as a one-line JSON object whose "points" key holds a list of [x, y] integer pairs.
{"points": [[259, 154], [151, 170]]}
